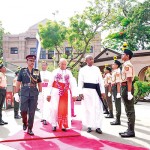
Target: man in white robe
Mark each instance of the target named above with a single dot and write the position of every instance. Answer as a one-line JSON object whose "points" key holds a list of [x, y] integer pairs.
{"points": [[43, 103], [63, 85], [89, 77]]}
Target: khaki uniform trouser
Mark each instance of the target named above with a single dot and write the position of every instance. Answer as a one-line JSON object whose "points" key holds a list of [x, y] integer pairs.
{"points": [[108, 100]]}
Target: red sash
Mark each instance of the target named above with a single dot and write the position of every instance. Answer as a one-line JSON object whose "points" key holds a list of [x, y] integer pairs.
{"points": [[62, 106]]}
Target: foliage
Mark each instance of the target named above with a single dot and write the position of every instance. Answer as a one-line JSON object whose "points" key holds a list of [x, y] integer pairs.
{"points": [[53, 35], [132, 24], [84, 27], [141, 89], [147, 74]]}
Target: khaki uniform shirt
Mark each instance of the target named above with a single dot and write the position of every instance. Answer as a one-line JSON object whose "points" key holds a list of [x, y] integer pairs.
{"points": [[116, 76], [127, 71], [107, 79], [3, 80]]}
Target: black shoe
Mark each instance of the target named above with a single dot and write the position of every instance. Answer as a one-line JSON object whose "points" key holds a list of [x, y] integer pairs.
{"points": [[123, 132], [105, 112], [128, 134], [53, 128], [110, 116], [99, 131], [37, 109], [17, 117], [64, 129], [4, 122], [44, 122], [115, 123], [1, 123], [24, 127], [89, 130], [30, 132]]}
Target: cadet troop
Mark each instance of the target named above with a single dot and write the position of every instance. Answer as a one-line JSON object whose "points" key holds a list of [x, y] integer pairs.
{"points": [[126, 92], [115, 83], [107, 82], [29, 78]]}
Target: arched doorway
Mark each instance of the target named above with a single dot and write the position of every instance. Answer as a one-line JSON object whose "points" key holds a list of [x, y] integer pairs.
{"points": [[141, 74]]}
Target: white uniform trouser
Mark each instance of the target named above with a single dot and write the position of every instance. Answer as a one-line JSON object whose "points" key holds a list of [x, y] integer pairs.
{"points": [[44, 104]]}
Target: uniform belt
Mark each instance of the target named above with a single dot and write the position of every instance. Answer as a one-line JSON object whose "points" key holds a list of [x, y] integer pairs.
{"points": [[29, 84], [124, 84], [2, 87], [114, 84]]}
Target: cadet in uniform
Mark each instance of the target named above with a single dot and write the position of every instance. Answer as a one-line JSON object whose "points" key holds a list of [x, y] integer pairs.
{"points": [[107, 82], [3, 85], [16, 103], [28, 78], [115, 83], [127, 97]]}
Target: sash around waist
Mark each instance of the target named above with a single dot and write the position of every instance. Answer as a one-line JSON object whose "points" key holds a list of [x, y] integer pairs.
{"points": [[90, 85], [56, 84]]}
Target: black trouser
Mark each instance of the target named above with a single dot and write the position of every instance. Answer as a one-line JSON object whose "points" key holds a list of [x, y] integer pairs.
{"points": [[16, 108], [117, 102], [28, 106], [129, 107], [2, 99]]}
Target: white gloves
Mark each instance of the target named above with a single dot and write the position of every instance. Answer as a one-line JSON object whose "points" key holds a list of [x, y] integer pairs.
{"points": [[118, 95], [109, 94], [40, 96], [17, 98], [130, 96]]}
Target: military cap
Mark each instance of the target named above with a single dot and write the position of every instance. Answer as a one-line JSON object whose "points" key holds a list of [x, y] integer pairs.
{"points": [[31, 57], [1, 65], [128, 52], [108, 68], [117, 62]]}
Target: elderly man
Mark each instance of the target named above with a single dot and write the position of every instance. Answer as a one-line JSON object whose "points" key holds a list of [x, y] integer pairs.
{"points": [[3, 85], [28, 78], [43, 103], [89, 81], [62, 83]]}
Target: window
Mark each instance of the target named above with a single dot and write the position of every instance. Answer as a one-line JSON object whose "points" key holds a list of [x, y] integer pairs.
{"points": [[32, 51], [68, 50], [13, 50], [50, 54], [43, 54], [91, 49]]}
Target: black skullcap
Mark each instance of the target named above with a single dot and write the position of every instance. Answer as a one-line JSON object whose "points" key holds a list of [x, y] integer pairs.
{"points": [[108, 68], [31, 57], [117, 62], [128, 52]]}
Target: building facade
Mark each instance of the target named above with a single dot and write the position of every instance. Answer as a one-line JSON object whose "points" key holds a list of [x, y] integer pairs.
{"points": [[16, 47]]}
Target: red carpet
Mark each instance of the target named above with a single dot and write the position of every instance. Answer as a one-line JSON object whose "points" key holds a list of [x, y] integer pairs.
{"points": [[45, 132], [70, 143]]}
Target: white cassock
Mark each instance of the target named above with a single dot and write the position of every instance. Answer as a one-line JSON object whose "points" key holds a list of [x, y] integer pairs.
{"points": [[54, 93], [92, 105], [43, 103]]}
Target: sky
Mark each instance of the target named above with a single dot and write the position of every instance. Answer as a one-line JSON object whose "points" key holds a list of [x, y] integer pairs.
{"points": [[18, 15]]}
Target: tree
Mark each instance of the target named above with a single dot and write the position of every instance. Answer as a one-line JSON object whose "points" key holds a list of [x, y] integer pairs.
{"points": [[84, 27], [132, 24], [1, 39], [52, 35]]}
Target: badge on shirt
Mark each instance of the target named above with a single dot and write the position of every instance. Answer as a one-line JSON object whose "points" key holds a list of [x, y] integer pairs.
{"points": [[36, 72], [117, 74]]}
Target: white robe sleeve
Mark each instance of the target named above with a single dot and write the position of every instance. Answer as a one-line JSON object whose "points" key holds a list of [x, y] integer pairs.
{"points": [[73, 86], [101, 81], [80, 81]]}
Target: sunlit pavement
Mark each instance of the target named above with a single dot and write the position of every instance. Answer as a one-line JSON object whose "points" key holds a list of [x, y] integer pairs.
{"points": [[110, 133]]}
